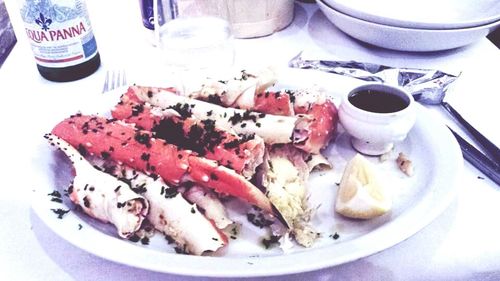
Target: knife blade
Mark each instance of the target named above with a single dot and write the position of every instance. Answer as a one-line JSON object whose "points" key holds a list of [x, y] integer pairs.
{"points": [[478, 159]]}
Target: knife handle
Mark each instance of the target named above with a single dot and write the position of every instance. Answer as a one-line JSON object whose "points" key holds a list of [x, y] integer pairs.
{"points": [[478, 159], [488, 146]]}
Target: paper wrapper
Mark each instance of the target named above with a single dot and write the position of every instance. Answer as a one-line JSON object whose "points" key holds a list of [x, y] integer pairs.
{"points": [[427, 86]]}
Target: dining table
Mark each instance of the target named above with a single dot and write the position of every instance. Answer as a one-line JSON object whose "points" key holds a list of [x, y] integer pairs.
{"points": [[461, 243]]}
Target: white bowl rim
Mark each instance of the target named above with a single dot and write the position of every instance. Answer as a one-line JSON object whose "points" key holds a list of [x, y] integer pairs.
{"points": [[395, 20], [425, 30]]}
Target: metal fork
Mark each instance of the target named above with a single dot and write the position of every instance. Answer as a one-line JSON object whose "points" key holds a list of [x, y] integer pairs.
{"points": [[114, 79]]}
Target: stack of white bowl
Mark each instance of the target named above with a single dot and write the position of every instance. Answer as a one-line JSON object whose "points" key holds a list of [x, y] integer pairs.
{"points": [[423, 25]]}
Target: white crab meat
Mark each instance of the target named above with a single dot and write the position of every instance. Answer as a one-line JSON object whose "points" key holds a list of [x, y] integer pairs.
{"points": [[284, 176], [210, 203], [172, 215], [237, 91], [101, 195], [272, 128]]}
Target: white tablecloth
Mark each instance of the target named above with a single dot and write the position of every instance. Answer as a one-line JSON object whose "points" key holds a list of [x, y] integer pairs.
{"points": [[461, 244]]}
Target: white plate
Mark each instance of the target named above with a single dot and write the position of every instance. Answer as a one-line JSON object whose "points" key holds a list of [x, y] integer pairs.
{"points": [[405, 39], [417, 201], [424, 14]]}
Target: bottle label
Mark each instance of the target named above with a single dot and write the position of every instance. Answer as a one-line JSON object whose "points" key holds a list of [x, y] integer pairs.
{"points": [[59, 32]]}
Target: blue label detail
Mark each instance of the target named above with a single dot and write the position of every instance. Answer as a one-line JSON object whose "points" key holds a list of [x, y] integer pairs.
{"points": [[43, 22], [90, 47], [40, 11]]}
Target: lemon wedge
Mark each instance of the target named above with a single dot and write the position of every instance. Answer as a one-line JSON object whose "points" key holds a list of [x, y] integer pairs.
{"points": [[360, 194]]}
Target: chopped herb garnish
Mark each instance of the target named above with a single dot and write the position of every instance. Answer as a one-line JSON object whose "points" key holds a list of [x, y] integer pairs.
{"points": [[143, 138], [56, 196], [273, 240], [137, 109], [200, 138], [145, 156], [309, 158], [334, 236], [105, 155], [55, 199], [215, 99], [183, 109], [168, 192], [235, 119], [82, 150], [140, 189], [236, 142], [234, 231], [60, 212], [86, 202], [180, 250], [145, 240], [291, 94], [169, 239], [55, 193], [134, 238], [258, 220]]}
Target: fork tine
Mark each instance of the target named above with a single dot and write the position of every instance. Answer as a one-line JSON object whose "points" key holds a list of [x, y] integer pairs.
{"points": [[124, 78], [116, 79], [106, 82], [116, 75]]}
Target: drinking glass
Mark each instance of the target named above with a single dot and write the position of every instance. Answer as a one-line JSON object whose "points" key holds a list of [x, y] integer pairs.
{"points": [[192, 41]]}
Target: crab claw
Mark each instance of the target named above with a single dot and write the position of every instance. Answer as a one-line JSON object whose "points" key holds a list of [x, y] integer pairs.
{"points": [[207, 173]]}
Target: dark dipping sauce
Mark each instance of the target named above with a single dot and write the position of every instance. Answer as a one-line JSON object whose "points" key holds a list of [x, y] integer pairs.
{"points": [[377, 101]]}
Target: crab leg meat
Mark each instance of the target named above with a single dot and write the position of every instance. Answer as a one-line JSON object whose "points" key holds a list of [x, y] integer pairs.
{"points": [[272, 128], [210, 203], [283, 175], [169, 212], [316, 129], [238, 91], [102, 196], [125, 144], [248, 91], [310, 132], [241, 153]]}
